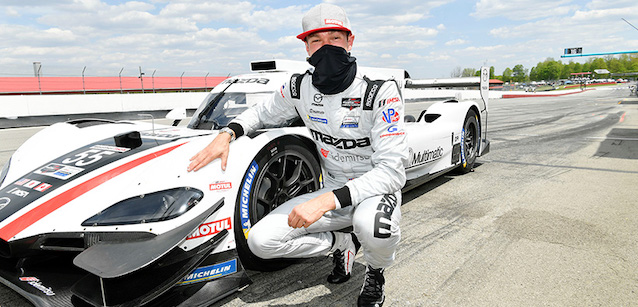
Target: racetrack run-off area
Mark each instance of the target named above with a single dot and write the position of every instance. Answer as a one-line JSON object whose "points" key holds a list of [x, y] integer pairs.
{"points": [[547, 218]]}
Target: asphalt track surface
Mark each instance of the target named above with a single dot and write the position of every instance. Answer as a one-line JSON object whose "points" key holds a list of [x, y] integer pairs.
{"points": [[547, 218]]}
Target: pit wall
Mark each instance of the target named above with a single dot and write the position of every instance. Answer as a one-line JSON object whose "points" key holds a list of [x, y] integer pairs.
{"points": [[45, 105]]}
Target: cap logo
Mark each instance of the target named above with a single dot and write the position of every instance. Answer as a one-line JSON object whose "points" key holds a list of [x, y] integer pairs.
{"points": [[333, 22]]}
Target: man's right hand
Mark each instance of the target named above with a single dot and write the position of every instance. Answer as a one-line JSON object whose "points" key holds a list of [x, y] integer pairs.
{"points": [[218, 148]]}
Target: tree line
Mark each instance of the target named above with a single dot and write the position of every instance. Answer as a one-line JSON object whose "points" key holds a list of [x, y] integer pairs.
{"points": [[551, 69]]}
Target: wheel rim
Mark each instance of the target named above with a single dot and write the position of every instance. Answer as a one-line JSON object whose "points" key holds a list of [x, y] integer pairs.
{"points": [[286, 175], [470, 137]]}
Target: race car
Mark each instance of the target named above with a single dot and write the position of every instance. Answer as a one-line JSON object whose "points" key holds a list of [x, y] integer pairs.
{"points": [[96, 212]]}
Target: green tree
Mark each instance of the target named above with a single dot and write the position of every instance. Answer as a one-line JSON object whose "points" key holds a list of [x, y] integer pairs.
{"points": [[519, 73], [616, 66], [507, 75], [551, 70], [598, 63], [468, 72], [533, 73]]}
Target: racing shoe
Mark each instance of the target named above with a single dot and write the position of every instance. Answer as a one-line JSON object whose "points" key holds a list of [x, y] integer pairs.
{"points": [[372, 292], [345, 248]]}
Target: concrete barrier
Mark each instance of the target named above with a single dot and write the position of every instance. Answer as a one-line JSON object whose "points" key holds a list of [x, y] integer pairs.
{"points": [[47, 105]]}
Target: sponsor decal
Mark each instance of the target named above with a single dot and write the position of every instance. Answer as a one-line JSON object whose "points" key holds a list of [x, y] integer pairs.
{"points": [[4, 201], [293, 86], [210, 272], [385, 208], [51, 168], [391, 116], [316, 111], [425, 156], [247, 80], [43, 187], [273, 149], [21, 182], [393, 99], [317, 98], [59, 171], [18, 192], [28, 279], [36, 283], [161, 135], [371, 94], [350, 103], [392, 134], [31, 184], [329, 21], [281, 91], [245, 197], [110, 148], [455, 138], [324, 153], [218, 186], [349, 158], [211, 228], [388, 101], [392, 131], [350, 122], [340, 143], [318, 119]]}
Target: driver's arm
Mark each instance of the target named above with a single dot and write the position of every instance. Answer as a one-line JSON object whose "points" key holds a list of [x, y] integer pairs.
{"points": [[276, 110]]}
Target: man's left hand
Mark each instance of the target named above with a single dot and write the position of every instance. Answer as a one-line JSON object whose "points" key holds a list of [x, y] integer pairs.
{"points": [[305, 214]]}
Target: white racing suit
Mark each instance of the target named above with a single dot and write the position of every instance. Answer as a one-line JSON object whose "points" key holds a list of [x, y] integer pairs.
{"points": [[361, 140]]}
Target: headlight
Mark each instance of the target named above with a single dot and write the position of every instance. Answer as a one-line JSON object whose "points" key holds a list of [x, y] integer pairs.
{"points": [[154, 207], [5, 170]]}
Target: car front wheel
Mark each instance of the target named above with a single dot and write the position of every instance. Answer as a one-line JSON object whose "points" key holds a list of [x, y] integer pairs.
{"points": [[283, 169]]}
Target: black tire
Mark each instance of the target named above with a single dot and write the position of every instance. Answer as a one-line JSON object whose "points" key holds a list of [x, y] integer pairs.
{"points": [[283, 169], [470, 138]]}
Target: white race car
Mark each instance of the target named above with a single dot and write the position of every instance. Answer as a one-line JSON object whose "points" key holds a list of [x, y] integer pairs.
{"points": [[104, 213]]}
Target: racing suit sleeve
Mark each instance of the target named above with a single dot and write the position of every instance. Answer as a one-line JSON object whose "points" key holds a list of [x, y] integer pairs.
{"points": [[277, 110], [390, 151]]}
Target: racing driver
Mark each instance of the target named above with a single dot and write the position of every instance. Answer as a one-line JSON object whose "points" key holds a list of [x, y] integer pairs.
{"points": [[357, 126]]}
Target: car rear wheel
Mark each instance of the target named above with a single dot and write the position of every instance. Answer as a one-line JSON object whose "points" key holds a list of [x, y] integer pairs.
{"points": [[283, 169], [470, 137]]}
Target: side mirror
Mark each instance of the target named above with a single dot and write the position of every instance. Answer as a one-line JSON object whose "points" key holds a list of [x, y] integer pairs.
{"points": [[176, 115]]}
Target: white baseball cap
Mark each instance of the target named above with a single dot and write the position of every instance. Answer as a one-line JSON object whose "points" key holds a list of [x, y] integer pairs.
{"points": [[324, 17]]}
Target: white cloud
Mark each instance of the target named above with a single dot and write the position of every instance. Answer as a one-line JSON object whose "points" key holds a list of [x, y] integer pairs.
{"points": [[12, 12], [455, 42], [522, 9]]}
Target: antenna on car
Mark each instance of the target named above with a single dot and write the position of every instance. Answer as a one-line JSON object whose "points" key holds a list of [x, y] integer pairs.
{"points": [[152, 120]]}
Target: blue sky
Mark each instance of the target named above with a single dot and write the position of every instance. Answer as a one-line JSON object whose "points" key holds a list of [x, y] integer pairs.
{"points": [[196, 37]]}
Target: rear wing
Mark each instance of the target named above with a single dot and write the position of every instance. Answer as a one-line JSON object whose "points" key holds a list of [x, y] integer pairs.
{"points": [[482, 83]]}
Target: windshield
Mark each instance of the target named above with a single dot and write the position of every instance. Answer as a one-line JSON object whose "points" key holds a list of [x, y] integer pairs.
{"points": [[218, 109]]}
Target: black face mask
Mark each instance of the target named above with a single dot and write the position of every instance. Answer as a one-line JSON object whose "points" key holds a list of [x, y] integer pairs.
{"points": [[334, 71]]}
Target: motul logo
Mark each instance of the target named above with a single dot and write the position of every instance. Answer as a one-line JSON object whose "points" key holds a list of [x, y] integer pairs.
{"points": [[333, 22], [220, 186], [211, 228]]}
